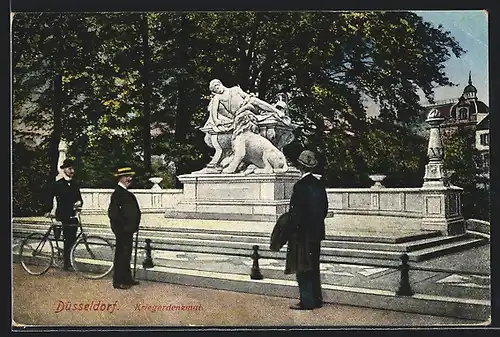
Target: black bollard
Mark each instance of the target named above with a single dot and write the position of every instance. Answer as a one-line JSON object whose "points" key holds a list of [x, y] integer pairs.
{"points": [[256, 274], [148, 261], [404, 283]]}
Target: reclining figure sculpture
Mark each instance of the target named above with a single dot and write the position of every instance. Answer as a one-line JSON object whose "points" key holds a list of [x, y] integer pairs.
{"points": [[247, 133]]}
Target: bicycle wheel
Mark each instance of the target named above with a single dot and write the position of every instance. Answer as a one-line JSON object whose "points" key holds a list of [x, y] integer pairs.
{"points": [[37, 254], [92, 256]]}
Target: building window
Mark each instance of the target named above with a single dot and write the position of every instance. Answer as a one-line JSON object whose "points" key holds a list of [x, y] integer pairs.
{"points": [[485, 139], [462, 113], [486, 161]]}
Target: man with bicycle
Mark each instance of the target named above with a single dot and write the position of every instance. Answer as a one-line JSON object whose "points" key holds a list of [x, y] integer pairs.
{"points": [[66, 192]]}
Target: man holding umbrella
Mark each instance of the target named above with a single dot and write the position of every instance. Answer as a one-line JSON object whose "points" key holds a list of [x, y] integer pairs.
{"points": [[124, 215]]}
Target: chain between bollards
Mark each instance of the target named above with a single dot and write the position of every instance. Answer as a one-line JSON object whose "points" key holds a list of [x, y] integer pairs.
{"points": [[255, 273], [404, 283], [148, 261]]}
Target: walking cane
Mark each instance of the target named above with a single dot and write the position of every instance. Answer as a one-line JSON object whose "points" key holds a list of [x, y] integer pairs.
{"points": [[135, 257]]}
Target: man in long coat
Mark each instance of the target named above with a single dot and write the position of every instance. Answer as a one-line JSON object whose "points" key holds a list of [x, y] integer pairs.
{"points": [[308, 210], [125, 215]]}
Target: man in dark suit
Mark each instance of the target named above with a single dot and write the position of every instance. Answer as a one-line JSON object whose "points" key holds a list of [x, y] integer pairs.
{"points": [[68, 200], [124, 215], [308, 210]]}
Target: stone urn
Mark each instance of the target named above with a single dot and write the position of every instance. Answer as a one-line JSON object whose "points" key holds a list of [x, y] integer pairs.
{"points": [[156, 181], [377, 178]]}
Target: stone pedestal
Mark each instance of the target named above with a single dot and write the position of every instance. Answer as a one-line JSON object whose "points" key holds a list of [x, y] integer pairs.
{"points": [[235, 196], [442, 210], [442, 204]]}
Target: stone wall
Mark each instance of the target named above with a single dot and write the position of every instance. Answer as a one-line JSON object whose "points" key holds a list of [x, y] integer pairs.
{"points": [[405, 202], [398, 202], [425, 208], [96, 200]]}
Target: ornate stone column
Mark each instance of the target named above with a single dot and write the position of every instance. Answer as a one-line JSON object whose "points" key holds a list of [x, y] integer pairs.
{"points": [[435, 174], [441, 202]]}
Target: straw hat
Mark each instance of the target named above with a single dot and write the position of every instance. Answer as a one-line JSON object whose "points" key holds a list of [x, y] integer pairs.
{"points": [[124, 171]]}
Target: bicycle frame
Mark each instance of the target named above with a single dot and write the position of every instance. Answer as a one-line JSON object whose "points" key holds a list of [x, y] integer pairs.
{"points": [[83, 234], [58, 224]]}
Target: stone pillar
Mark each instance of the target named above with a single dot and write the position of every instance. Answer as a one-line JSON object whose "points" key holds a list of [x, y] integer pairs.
{"points": [[442, 206], [435, 174]]}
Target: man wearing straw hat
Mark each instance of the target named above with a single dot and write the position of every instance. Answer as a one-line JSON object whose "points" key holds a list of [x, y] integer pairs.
{"points": [[124, 215], [307, 213]]}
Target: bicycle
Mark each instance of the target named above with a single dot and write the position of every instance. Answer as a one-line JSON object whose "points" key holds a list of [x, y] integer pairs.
{"points": [[91, 256]]}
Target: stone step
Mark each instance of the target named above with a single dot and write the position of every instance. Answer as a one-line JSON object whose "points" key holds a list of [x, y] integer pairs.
{"points": [[378, 277], [448, 306], [238, 241], [271, 285], [332, 273], [341, 241], [203, 233], [409, 246], [475, 309], [453, 247], [434, 247]]}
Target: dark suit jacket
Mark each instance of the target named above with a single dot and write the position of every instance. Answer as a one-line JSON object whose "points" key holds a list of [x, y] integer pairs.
{"points": [[66, 193], [308, 209], [123, 211]]}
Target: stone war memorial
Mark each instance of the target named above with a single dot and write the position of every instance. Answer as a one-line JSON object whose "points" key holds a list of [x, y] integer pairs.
{"points": [[401, 256], [248, 177], [382, 243]]}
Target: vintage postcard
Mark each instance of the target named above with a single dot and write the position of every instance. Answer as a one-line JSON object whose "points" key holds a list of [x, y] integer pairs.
{"points": [[250, 169]]}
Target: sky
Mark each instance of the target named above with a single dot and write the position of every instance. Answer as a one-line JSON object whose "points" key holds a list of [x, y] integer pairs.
{"points": [[470, 29]]}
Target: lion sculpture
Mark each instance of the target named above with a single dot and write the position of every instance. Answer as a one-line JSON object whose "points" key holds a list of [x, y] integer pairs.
{"points": [[252, 150]]}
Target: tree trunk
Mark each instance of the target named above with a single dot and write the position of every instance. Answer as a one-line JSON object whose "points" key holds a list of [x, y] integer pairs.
{"points": [[182, 116], [244, 74], [57, 127], [265, 77], [146, 124]]}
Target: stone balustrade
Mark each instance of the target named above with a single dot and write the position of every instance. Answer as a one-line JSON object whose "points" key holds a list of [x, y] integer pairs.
{"points": [[96, 200], [405, 202], [427, 208]]}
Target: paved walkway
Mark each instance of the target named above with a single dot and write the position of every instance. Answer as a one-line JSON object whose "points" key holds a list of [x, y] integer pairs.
{"points": [[440, 283], [38, 300], [463, 275]]}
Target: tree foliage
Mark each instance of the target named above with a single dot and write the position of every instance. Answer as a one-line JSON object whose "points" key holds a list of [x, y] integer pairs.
{"points": [[462, 157], [125, 87]]}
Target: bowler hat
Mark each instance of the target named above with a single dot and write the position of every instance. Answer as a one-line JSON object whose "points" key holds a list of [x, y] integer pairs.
{"points": [[67, 163], [308, 159], [124, 171]]}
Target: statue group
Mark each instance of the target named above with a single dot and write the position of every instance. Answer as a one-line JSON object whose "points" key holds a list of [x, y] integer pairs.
{"points": [[247, 133]]}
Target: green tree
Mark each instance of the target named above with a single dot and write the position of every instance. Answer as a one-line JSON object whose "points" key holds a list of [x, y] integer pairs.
{"points": [[29, 181], [461, 156], [108, 78]]}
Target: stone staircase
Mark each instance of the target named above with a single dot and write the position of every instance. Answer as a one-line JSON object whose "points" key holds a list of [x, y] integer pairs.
{"points": [[367, 249], [356, 270]]}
